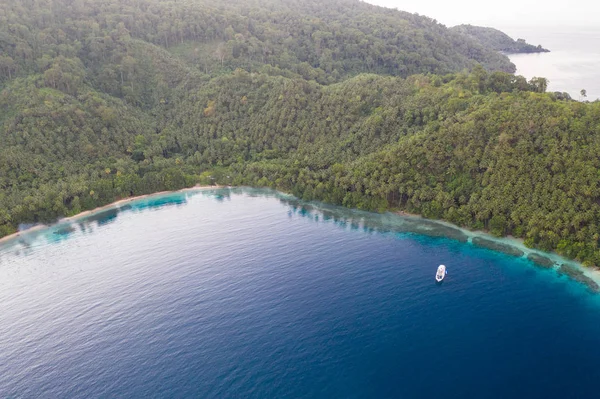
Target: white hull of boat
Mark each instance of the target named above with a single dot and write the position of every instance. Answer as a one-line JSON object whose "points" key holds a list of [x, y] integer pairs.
{"points": [[441, 273]]}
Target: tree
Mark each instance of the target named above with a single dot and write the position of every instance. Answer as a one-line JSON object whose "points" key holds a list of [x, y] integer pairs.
{"points": [[7, 65], [539, 84], [65, 74], [221, 52]]}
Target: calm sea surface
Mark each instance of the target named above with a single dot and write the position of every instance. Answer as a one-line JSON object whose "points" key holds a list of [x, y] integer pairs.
{"points": [[246, 295], [573, 63]]}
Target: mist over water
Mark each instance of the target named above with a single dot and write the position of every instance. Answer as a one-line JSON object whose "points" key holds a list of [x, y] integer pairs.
{"points": [[573, 63], [248, 293]]}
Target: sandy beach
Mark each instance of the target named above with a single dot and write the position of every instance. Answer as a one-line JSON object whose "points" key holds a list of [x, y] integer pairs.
{"points": [[112, 205], [591, 272], [404, 213]]}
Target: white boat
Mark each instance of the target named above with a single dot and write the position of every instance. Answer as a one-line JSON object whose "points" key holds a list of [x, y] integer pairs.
{"points": [[441, 273]]}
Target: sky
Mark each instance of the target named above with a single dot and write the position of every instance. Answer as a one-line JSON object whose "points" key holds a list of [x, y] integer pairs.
{"points": [[505, 13]]}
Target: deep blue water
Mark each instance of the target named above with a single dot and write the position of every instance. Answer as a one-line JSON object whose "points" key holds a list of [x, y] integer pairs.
{"points": [[249, 296]]}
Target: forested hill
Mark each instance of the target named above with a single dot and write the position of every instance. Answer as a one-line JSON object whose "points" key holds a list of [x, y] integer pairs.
{"points": [[322, 40], [337, 101], [498, 40]]}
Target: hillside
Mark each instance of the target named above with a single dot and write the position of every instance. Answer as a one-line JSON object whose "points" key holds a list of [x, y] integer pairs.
{"points": [[497, 40], [325, 41], [337, 101]]}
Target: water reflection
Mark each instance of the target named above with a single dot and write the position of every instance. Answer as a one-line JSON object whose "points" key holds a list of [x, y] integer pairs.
{"points": [[86, 224], [344, 218], [372, 222], [103, 218]]}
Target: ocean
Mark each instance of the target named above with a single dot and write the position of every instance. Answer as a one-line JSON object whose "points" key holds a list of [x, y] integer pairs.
{"points": [[253, 294], [573, 63]]}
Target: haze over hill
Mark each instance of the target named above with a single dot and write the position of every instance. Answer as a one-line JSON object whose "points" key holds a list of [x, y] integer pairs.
{"points": [[497, 40], [338, 101], [577, 13]]}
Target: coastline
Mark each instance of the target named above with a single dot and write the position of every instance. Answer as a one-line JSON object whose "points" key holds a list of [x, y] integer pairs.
{"points": [[400, 221], [512, 246], [112, 205]]}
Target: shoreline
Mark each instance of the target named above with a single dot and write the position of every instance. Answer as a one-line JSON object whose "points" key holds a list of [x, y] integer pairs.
{"points": [[509, 245], [396, 220], [541, 259], [116, 204]]}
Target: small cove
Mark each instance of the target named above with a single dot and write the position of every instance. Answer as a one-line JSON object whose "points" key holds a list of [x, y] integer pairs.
{"points": [[246, 292]]}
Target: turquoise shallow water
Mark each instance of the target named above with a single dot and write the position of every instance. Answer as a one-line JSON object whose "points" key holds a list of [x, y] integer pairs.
{"points": [[243, 294]]}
